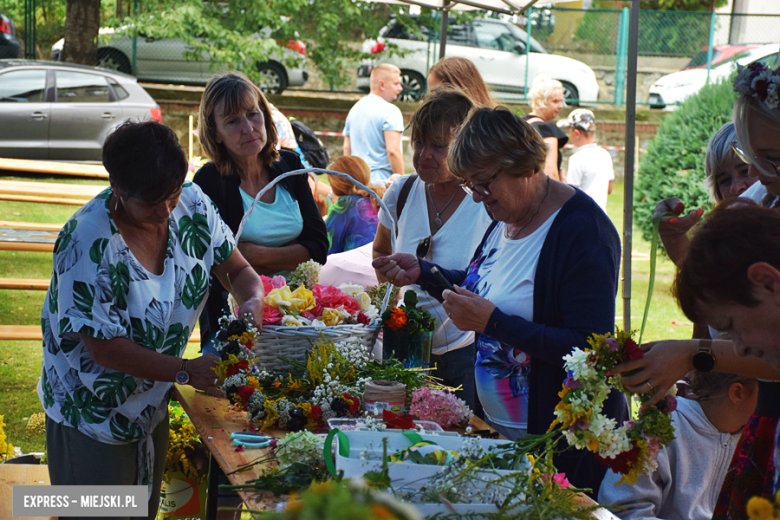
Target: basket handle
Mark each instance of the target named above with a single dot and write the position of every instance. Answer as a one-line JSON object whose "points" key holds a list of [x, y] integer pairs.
{"points": [[307, 171]]}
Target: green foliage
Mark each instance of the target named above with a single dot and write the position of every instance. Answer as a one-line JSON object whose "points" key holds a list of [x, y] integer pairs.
{"points": [[674, 163], [665, 5]]}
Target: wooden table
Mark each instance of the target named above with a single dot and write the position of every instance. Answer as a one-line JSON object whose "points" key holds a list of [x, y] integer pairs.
{"points": [[20, 475]]}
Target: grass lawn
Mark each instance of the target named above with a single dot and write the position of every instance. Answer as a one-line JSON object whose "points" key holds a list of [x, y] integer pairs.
{"points": [[20, 361]]}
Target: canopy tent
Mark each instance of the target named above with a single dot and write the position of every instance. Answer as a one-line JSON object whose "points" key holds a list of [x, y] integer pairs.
{"points": [[519, 7]]}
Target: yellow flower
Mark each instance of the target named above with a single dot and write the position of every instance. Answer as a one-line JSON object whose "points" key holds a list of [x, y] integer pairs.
{"points": [[364, 300], [593, 444], [302, 300], [253, 381], [759, 508], [291, 321], [279, 298], [331, 317]]}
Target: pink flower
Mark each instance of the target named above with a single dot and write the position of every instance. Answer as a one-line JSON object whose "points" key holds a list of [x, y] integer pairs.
{"points": [[272, 316], [571, 383], [612, 345], [278, 282], [329, 296], [440, 407], [267, 287], [561, 480], [363, 319], [583, 423], [308, 315]]}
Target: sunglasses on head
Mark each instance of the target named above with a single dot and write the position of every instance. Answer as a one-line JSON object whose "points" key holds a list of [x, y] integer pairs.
{"points": [[765, 166], [424, 246]]}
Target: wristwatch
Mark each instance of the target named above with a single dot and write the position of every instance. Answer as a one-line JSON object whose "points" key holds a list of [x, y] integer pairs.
{"points": [[703, 360], [182, 376]]}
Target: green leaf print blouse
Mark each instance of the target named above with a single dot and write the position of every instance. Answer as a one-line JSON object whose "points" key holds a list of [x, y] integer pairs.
{"points": [[98, 288]]}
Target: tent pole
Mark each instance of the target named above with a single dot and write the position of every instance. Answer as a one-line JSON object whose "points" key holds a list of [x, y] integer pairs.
{"points": [[628, 186], [445, 18]]}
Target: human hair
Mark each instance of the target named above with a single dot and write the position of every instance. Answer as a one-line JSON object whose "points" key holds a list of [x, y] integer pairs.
{"points": [[383, 71], [145, 160], [720, 155], [236, 92], [439, 116], [358, 169], [541, 89], [707, 385], [463, 74], [736, 234], [496, 136]]}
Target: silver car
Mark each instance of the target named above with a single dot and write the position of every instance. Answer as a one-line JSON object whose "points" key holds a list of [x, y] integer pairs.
{"points": [[164, 60], [61, 111]]}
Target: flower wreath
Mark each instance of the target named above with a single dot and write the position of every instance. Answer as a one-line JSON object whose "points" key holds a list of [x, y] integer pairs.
{"points": [[631, 448], [760, 82]]}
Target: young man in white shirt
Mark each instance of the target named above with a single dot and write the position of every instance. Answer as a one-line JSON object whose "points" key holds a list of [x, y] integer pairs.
{"points": [[590, 168], [374, 125]]}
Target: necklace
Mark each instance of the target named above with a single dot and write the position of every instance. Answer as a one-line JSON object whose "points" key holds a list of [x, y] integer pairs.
{"points": [[437, 223], [516, 233]]}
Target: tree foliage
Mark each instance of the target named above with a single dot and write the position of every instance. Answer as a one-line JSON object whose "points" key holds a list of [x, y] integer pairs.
{"points": [[674, 163], [665, 5]]}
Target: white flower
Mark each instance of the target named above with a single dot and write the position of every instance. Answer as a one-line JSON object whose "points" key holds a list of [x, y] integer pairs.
{"points": [[292, 321]]}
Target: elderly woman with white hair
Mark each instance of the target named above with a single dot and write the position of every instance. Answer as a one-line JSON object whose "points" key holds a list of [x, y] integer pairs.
{"points": [[546, 103]]}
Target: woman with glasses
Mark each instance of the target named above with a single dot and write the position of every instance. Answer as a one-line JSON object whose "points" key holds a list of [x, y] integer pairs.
{"points": [[753, 470], [436, 221], [543, 279]]}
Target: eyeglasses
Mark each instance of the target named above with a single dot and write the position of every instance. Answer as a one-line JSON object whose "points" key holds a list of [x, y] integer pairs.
{"points": [[424, 247], [482, 189], [765, 166]]}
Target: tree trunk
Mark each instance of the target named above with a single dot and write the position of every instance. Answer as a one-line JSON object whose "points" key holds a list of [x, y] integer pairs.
{"points": [[82, 23]]}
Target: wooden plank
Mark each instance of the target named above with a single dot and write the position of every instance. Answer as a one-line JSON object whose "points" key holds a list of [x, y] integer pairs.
{"points": [[33, 333], [50, 189], [20, 475], [24, 284], [95, 171], [43, 200], [39, 247], [35, 226]]}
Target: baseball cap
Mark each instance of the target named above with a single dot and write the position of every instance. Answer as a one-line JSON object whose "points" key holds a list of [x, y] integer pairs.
{"points": [[581, 119]]}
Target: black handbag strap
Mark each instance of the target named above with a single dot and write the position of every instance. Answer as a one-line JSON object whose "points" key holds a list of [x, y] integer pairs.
{"points": [[402, 196]]}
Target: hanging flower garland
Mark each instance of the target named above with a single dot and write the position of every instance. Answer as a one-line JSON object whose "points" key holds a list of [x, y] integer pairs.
{"points": [[631, 448]]}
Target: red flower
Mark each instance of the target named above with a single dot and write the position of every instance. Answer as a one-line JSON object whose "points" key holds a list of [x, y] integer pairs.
{"points": [[317, 310], [353, 402], [622, 463], [362, 318], [272, 316], [329, 296], [308, 316], [245, 392], [267, 287], [316, 413], [397, 319], [398, 421], [632, 351], [234, 369]]}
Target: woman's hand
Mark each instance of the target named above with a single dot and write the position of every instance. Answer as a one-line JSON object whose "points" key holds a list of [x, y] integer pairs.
{"points": [[663, 364], [254, 308], [400, 268], [202, 376], [467, 310]]}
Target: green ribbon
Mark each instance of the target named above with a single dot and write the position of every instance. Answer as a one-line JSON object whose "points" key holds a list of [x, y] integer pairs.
{"points": [[328, 452]]}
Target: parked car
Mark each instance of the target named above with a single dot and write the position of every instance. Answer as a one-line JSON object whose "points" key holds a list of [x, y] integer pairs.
{"points": [[719, 53], [9, 45], [496, 47], [673, 89], [62, 111], [163, 60]]}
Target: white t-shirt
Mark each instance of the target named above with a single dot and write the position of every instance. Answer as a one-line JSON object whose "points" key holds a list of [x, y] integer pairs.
{"points": [[366, 123], [504, 274], [590, 169], [452, 247]]}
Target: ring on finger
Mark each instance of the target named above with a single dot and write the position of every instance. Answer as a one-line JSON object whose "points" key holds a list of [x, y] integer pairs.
{"points": [[650, 387]]}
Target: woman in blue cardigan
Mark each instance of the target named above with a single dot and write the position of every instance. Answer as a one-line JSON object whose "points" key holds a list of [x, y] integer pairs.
{"points": [[543, 279]]}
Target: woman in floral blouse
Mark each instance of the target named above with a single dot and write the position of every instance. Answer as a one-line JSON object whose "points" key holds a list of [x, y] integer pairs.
{"points": [[130, 278]]}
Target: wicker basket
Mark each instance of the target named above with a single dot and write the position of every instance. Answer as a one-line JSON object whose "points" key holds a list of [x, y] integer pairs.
{"points": [[279, 345]]}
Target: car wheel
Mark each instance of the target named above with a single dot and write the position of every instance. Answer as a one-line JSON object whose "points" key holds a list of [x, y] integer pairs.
{"points": [[114, 60], [273, 77], [570, 94], [413, 84]]}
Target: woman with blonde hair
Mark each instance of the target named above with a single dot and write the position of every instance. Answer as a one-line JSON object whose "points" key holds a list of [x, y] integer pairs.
{"points": [[237, 132], [352, 218], [463, 74], [546, 103]]}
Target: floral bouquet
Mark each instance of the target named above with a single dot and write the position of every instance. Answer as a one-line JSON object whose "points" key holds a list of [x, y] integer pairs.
{"points": [[186, 453], [408, 333], [631, 448]]}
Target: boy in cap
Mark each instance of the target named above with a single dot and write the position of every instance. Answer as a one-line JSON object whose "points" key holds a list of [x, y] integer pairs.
{"points": [[590, 167]]}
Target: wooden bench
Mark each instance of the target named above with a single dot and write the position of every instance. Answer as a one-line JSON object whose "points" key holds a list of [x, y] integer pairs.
{"points": [[24, 284], [48, 192], [20, 475], [40, 247], [94, 171], [33, 333], [34, 226]]}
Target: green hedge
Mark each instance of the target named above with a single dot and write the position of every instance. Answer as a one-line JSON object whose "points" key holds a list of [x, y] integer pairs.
{"points": [[674, 163]]}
